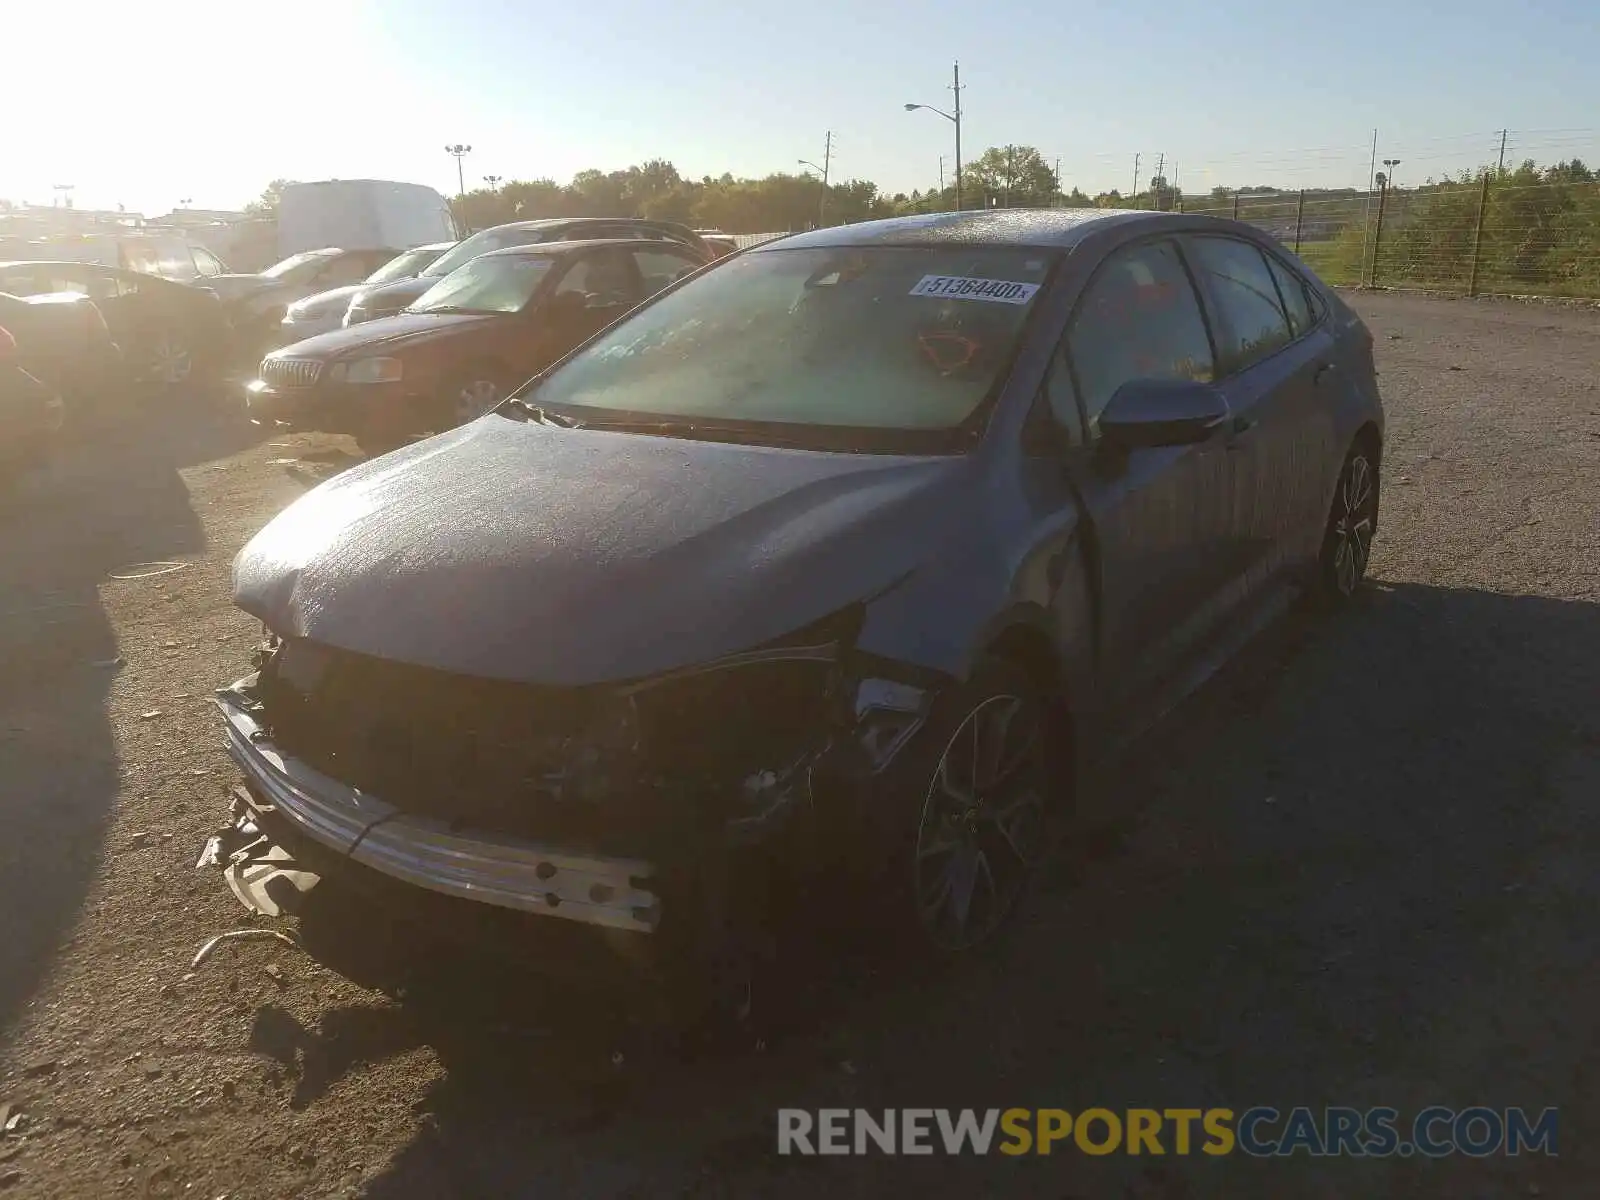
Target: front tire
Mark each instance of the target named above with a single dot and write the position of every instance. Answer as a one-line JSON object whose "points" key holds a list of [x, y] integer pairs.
{"points": [[1352, 524], [472, 394], [169, 359], [971, 799]]}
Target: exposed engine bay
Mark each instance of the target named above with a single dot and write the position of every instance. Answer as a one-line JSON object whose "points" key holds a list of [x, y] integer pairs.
{"points": [[619, 805]]}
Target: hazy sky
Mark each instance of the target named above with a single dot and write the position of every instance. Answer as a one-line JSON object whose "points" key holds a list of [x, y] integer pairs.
{"points": [[207, 100]]}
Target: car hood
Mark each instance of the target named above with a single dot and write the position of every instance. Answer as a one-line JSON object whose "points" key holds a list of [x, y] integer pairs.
{"points": [[387, 331], [515, 550], [335, 300], [397, 294]]}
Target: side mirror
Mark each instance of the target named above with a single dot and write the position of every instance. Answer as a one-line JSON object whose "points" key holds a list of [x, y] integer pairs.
{"points": [[1145, 413]]}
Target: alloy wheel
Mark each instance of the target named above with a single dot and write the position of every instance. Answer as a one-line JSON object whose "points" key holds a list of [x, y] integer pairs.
{"points": [[474, 398], [982, 825], [170, 360], [1351, 524]]}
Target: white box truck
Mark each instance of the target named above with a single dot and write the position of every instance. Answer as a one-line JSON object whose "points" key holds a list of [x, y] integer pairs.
{"points": [[361, 214]]}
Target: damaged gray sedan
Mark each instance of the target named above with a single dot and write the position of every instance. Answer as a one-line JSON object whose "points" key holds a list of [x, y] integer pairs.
{"points": [[820, 575]]}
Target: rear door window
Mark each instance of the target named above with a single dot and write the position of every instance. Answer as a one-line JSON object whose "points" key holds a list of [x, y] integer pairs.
{"points": [[1251, 321], [661, 268], [1292, 290]]}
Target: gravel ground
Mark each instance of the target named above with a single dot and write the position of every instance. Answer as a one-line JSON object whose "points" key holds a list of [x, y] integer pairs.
{"points": [[1358, 868]]}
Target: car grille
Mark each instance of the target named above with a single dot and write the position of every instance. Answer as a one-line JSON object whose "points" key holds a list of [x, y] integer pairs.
{"points": [[477, 753], [291, 372]]}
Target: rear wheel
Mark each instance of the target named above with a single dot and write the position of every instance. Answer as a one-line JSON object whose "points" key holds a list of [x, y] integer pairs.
{"points": [[1352, 523]]}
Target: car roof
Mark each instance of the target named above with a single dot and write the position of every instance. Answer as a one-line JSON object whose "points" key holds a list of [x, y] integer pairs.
{"points": [[547, 222], [1036, 227], [574, 245], [67, 262]]}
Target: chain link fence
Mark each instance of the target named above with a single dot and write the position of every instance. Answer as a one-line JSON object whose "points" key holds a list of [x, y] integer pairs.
{"points": [[1484, 237]]}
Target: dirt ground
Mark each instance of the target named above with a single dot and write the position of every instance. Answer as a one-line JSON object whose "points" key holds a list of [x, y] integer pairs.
{"points": [[1359, 868]]}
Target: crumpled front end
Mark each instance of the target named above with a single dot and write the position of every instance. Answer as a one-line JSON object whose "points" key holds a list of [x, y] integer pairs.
{"points": [[669, 805]]}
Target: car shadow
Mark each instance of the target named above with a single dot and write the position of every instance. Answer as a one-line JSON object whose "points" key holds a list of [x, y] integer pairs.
{"points": [[111, 498], [1334, 875]]}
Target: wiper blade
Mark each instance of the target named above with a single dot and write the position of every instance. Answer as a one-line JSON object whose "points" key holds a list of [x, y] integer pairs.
{"points": [[713, 431], [544, 416]]}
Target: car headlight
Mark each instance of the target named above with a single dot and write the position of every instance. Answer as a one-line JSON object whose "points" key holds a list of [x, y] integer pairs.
{"points": [[374, 370]]}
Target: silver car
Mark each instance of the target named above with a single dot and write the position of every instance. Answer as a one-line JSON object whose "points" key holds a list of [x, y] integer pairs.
{"points": [[325, 311]]}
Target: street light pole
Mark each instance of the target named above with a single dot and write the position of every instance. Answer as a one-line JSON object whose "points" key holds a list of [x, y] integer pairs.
{"points": [[955, 119], [956, 88], [459, 151], [493, 181], [1391, 163], [827, 161]]}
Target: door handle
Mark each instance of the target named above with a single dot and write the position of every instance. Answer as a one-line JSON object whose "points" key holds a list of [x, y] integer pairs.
{"points": [[1326, 368]]}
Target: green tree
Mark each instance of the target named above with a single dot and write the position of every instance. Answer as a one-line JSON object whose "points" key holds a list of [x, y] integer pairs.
{"points": [[267, 204], [1011, 176]]}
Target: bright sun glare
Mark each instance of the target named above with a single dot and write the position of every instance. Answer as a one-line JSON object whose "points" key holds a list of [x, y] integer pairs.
{"points": [[193, 100]]}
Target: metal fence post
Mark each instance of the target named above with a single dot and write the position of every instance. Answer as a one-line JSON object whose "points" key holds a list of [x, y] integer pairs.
{"points": [[1236, 206], [1477, 235], [1377, 235], [1299, 216]]}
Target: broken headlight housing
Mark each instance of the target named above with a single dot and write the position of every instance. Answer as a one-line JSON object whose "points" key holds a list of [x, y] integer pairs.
{"points": [[741, 723]]}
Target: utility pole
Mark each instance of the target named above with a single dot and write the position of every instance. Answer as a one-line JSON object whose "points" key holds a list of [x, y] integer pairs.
{"points": [[955, 86], [1502, 165], [1477, 235], [941, 177], [459, 151], [1135, 191], [1057, 200], [1366, 212], [1161, 162]]}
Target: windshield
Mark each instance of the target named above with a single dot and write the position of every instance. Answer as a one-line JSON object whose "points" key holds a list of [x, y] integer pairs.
{"points": [[900, 340], [296, 266], [502, 284], [482, 243], [403, 266]]}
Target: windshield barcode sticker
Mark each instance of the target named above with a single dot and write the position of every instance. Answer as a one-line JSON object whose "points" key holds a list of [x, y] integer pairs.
{"points": [[964, 287]]}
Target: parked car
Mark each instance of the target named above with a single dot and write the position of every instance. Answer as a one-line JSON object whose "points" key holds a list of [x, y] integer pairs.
{"points": [[820, 575], [255, 305], [31, 414], [373, 302], [465, 343], [62, 340], [720, 243], [168, 254], [325, 310], [169, 333]]}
